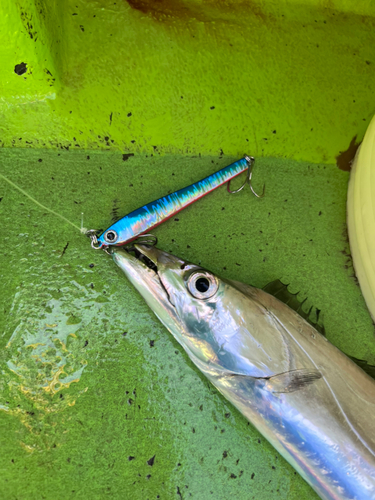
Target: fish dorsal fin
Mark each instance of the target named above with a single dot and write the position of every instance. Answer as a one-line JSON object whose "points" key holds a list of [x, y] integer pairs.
{"points": [[281, 292], [312, 316], [367, 368]]}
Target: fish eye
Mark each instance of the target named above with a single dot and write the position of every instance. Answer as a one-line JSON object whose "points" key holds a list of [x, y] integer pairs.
{"points": [[202, 285], [110, 236]]}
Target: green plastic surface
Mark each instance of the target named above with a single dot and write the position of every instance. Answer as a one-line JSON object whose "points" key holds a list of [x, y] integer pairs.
{"points": [[92, 387], [90, 378]]}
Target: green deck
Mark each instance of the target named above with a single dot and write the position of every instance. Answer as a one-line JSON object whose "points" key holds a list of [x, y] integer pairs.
{"points": [[82, 386]]}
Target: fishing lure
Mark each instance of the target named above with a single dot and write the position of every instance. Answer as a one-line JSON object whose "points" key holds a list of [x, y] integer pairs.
{"points": [[140, 221]]}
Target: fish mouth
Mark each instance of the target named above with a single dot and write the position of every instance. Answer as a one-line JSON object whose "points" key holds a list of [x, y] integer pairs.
{"points": [[140, 264], [146, 256], [149, 257], [143, 267], [141, 258]]}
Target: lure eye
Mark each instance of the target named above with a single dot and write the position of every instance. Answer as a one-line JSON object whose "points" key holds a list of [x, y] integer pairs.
{"points": [[202, 285], [110, 236]]}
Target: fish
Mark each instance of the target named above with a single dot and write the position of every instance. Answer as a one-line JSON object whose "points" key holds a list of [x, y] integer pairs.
{"points": [[141, 220], [306, 397]]}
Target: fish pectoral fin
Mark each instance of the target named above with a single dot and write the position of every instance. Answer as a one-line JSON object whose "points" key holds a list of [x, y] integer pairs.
{"points": [[292, 381]]}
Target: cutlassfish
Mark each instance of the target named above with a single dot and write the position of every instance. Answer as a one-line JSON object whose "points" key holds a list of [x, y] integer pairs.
{"points": [[311, 402]]}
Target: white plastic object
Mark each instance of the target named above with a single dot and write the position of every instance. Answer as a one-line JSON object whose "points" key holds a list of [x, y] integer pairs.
{"points": [[361, 216]]}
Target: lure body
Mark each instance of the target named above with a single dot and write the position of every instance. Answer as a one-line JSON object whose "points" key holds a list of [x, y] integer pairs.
{"points": [[140, 221], [311, 402]]}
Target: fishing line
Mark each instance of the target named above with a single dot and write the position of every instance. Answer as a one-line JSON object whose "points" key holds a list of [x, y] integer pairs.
{"points": [[80, 229]]}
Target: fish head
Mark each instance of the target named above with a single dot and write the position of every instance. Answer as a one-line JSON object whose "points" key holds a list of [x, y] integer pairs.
{"points": [[190, 289], [215, 322], [177, 291]]}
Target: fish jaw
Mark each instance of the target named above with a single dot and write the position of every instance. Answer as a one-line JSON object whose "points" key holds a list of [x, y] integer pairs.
{"points": [[148, 284], [170, 271]]}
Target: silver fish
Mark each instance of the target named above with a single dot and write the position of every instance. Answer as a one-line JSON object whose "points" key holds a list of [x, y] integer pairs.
{"points": [[311, 402]]}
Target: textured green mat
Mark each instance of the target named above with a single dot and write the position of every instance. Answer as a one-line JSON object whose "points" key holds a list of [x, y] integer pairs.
{"points": [[92, 386]]}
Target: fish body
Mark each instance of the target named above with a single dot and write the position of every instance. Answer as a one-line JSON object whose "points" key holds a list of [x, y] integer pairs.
{"points": [[141, 220], [311, 402]]}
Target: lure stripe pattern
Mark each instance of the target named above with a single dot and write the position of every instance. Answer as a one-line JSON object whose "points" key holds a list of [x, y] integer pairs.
{"points": [[154, 213]]}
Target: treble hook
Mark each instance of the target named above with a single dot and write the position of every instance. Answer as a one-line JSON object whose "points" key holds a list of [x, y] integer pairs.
{"points": [[250, 161]]}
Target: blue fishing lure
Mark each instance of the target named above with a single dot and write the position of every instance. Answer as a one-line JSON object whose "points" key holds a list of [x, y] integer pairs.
{"points": [[140, 221]]}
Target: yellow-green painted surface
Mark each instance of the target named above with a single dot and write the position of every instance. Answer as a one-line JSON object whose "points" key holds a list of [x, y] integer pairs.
{"points": [[285, 79], [92, 387], [27, 68]]}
